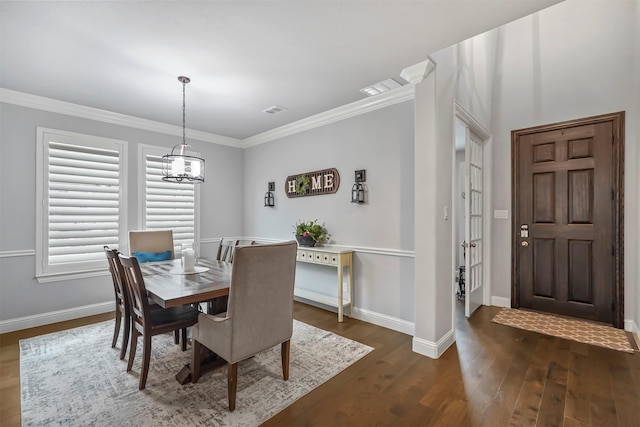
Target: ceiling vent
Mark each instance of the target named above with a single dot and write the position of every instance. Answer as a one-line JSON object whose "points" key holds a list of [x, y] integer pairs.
{"points": [[276, 109], [381, 87]]}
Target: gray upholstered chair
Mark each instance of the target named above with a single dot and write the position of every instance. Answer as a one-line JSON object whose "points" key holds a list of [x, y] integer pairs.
{"points": [[151, 241], [259, 314]]}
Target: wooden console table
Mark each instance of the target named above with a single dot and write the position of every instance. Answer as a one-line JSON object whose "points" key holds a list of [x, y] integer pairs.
{"points": [[330, 257]]}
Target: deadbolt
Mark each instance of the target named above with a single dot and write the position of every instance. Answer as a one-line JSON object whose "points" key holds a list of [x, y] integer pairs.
{"points": [[524, 244]]}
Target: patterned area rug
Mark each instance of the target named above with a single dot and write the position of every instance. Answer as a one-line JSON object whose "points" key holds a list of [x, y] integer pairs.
{"points": [[576, 330], [75, 378]]}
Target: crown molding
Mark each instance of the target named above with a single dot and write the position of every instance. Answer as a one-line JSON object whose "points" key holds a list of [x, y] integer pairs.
{"points": [[356, 108], [61, 107], [418, 72], [396, 96]]}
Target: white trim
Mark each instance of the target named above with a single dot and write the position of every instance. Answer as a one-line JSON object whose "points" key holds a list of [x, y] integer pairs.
{"points": [[383, 320], [395, 96], [431, 349], [59, 277], [418, 72], [60, 107], [360, 249], [11, 254], [501, 302], [405, 93], [631, 326], [54, 317]]}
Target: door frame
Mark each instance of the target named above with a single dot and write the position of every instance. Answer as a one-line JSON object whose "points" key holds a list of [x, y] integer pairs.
{"points": [[470, 122], [617, 120]]}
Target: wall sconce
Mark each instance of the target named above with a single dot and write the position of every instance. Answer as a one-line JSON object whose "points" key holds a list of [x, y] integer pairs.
{"points": [[269, 200], [358, 189]]}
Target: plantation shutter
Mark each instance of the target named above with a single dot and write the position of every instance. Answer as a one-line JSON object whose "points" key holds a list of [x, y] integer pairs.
{"points": [[168, 205], [83, 202]]}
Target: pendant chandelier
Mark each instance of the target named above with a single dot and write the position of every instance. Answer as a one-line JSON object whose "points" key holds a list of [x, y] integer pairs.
{"points": [[180, 166]]}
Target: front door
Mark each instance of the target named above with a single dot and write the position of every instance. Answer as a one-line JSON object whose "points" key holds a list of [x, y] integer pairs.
{"points": [[567, 229]]}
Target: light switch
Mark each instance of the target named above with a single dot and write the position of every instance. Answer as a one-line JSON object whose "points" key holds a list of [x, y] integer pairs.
{"points": [[501, 214]]}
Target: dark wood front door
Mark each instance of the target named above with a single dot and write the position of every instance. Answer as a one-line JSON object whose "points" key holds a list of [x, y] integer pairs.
{"points": [[567, 221]]}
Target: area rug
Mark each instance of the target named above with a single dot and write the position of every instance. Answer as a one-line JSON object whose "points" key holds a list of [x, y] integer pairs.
{"points": [[75, 378], [576, 330]]}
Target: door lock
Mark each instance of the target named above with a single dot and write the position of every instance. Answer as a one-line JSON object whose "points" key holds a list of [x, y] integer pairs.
{"points": [[524, 231]]}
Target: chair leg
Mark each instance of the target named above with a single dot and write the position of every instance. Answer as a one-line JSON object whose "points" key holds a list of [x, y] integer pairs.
{"points": [[195, 361], [116, 331], [132, 347], [232, 385], [146, 358], [125, 335], [176, 335], [284, 353], [184, 339]]}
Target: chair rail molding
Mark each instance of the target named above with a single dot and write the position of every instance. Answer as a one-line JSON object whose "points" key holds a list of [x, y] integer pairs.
{"points": [[20, 253]]}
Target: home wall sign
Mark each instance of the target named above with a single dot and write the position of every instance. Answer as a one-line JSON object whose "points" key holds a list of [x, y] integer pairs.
{"points": [[326, 181]]}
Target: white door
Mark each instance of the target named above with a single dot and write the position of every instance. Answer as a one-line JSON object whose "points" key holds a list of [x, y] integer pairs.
{"points": [[473, 223]]}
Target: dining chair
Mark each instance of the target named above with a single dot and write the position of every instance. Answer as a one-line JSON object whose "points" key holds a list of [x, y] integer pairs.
{"points": [[226, 250], [122, 300], [148, 322], [259, 315], [150, 242]]}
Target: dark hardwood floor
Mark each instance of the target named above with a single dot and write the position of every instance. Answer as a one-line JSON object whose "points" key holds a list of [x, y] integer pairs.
{"points": [[493, 376]]}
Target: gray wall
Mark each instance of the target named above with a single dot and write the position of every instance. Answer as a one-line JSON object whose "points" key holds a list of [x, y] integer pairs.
{"points": [[381, 231], [20, 294]]}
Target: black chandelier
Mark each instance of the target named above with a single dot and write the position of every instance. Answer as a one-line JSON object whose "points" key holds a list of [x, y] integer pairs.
{"points": [[182, 167]]}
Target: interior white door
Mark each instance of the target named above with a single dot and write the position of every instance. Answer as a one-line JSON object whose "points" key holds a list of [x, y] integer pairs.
{"points": [[473, 223]]}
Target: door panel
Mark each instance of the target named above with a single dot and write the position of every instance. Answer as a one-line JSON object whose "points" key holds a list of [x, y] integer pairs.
{"points": [[566, 216], [473, 228]]}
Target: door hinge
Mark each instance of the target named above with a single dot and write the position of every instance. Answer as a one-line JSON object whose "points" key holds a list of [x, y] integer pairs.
{"points": [[613, 250], [613, 307], [613, 195]]}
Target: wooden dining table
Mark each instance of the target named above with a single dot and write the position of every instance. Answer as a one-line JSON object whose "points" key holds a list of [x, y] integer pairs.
{"points": [[169, 286]]}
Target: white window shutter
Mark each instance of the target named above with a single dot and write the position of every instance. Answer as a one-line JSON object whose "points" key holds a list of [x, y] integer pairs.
{"points": [[168, 205]]}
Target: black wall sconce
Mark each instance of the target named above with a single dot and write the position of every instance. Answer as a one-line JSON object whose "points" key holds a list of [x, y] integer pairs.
{"points": [[269, 199], [358, 189]]}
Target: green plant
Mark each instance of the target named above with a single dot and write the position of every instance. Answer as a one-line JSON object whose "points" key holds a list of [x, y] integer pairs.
{"points": [[302, 184], [311, 228]]}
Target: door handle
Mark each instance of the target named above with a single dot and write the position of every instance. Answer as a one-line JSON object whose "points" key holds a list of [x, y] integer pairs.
{"points": [[524, 244], [473, 245]]}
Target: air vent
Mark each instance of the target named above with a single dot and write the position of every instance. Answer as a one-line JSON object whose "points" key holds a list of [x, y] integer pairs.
{"points": [[381, 87], [276, 109]]}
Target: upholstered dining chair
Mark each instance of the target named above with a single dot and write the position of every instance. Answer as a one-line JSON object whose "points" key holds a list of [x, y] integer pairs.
{"points": [[148, 322], [122, 300], [259, 315], [151, 244]]}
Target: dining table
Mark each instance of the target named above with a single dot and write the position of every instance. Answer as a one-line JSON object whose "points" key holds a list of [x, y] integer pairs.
{"points": [[169, 285]]}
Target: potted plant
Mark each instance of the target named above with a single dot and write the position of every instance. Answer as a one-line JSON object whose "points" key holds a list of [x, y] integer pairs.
{"points": [[308, 233]]}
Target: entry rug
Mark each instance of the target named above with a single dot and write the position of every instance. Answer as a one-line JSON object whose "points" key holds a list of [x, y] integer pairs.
{"points": [[75, 378], [576, 330]]}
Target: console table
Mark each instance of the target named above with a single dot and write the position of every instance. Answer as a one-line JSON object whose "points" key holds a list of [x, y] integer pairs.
{"points": [[338, 258]]}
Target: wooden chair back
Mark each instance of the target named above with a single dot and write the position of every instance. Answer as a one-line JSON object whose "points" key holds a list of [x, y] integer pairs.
{"points": [[226, 250], [137, 291]]}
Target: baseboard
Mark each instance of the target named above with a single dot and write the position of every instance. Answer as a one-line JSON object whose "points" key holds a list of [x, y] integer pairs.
{"points": [[631, 326], [431, 349], [383, 320], [501, 302], [54, 317]]}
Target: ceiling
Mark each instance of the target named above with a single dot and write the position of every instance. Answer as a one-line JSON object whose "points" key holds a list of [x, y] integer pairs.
{"points": [[242, 56]]}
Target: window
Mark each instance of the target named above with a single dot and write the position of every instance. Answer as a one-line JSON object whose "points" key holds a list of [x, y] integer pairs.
{"points": [[80, 188], [166, 205]]}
